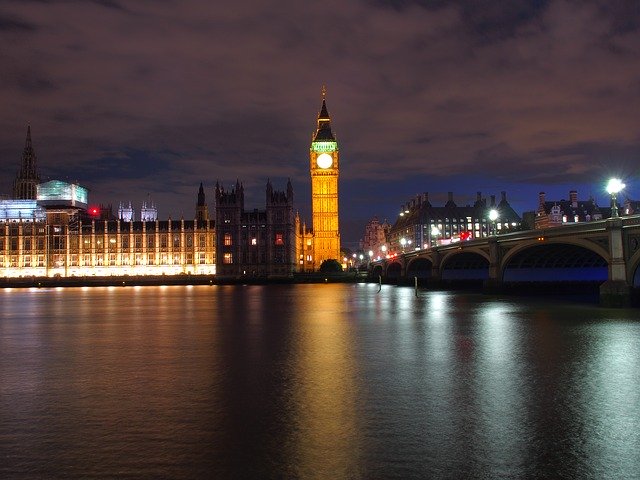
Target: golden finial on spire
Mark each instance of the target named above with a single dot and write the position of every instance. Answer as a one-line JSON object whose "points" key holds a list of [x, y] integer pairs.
{"points": [[324, 92]]}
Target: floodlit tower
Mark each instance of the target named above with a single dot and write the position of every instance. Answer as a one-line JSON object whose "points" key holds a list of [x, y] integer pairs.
{"points": [[324, 168]]}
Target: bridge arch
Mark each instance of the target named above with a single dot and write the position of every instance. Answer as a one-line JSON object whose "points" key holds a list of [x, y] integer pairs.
{"points": [[378, 271], [420, 267], [394, 270], [573, 260], [465, 265]]}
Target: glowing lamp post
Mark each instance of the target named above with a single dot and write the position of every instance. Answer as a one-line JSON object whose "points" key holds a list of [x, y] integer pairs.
{"points": [[403, 242], [614, 186], [435, 231], [493, 216]]}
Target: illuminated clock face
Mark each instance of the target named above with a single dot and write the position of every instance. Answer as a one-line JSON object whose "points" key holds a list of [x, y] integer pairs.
{"points": [[324, 160]]}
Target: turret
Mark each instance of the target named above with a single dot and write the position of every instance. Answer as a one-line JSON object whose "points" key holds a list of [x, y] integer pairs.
{"points": [[202, 211]]}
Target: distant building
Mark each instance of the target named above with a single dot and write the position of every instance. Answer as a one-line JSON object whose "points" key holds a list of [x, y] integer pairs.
{"points": [[148, 212], [421, 225], [375, 236], [559, 212], [630, 207], [255, 242], [125, 212]]}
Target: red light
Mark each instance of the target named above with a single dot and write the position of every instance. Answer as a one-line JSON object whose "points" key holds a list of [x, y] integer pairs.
{"points": [[94, 211], [465, 236]]}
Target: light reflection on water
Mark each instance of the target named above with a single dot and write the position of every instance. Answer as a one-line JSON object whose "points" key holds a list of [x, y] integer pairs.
{"points": [[314, 381]]}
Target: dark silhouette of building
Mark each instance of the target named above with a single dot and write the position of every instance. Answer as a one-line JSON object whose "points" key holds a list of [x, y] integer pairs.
{"points": [[255, 243], [202, 211], [24, 186]]}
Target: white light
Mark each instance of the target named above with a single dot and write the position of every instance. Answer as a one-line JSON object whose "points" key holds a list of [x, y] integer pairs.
{"points": [[371, 253], [435, 230], [383, 248], [493, 215], [614, 186], [403, 241]]}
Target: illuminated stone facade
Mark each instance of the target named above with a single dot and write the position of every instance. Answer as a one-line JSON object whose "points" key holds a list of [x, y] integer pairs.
{"points": [[55, 236], [375, 236], [324, 168], [64, 246]]}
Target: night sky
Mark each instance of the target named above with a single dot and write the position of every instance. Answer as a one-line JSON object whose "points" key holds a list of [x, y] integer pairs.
{"points": [[151, 97]]}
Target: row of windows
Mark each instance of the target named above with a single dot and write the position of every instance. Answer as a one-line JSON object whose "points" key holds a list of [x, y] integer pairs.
{"points": [[58, 242], [228, 240], [101, 260], [253, 258]]}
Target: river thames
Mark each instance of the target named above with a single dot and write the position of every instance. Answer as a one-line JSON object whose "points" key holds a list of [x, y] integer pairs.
{"points": [[314, 381]]}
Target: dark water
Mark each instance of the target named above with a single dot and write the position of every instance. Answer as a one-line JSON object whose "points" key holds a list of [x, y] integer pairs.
{"points": [[314, 381]]}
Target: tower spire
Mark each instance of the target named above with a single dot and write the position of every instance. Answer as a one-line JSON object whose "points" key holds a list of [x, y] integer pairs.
{"points": [[24, 186], [27, 143], [323, 131]]}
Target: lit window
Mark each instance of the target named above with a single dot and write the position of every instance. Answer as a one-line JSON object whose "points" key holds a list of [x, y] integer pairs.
{"points": [[228, 258], [279, 239], [227, 240], [254, 241]]}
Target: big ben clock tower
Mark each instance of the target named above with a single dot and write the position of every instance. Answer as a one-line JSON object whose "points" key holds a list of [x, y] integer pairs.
{"points": [[324, 168]]}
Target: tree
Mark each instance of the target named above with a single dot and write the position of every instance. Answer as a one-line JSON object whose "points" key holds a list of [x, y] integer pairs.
{"points": [[330, 266]]}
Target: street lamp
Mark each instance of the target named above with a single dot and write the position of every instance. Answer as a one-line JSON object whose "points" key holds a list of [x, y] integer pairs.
{"points": [[403, 242], [384, 250], [614, 186], [493, 216], [435, 231]]}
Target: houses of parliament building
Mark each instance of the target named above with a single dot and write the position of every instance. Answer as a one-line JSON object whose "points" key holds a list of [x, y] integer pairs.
{"points": [[47, 229]]}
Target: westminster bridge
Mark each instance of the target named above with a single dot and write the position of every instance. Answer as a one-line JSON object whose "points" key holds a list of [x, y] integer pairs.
{"points": [[606, 251]]}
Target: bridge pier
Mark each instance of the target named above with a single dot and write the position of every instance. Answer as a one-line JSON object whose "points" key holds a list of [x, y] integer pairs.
{"points": [[494, 283], [616, 292]]}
